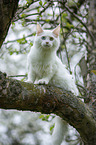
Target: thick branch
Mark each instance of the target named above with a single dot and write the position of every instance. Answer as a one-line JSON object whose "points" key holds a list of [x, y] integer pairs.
{"points": [[7, 10], [48, 99]]}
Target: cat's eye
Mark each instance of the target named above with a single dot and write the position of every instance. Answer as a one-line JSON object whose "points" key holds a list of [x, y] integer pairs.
{"points": [[51, 38], [43, 37]]}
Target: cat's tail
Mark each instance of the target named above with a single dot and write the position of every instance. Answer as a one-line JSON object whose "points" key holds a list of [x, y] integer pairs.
{"points": [[59, 131]]}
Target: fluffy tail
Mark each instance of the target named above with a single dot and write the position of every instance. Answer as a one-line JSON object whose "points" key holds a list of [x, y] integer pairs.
{"points": [[59, 131]]}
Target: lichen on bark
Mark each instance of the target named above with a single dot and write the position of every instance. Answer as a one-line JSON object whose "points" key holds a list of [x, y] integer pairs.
{"points": [[48, 99]]}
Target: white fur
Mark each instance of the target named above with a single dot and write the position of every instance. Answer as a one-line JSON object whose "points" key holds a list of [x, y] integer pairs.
{"points": [[44, 66]]}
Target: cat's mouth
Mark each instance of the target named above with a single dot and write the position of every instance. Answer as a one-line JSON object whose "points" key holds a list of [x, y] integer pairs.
{"points": [[47, 45]]}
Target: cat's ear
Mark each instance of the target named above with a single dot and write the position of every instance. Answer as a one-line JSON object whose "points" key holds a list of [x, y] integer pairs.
{"points": [[39, 29], [56, 31]]}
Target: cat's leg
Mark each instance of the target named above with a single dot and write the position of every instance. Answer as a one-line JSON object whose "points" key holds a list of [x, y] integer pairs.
{"points": [[45, 80], [46, 75], [31, 75]]}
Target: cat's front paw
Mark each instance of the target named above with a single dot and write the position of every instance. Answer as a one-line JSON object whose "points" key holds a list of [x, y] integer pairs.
{"points": [[41, 82]]}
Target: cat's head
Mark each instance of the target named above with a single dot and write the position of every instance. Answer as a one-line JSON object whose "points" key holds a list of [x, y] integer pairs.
{"points": [[47, 39]]}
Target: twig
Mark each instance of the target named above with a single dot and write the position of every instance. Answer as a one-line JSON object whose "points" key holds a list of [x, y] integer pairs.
{"points": [[65, 47], [18, 39], [73, 14], [18, 76]]}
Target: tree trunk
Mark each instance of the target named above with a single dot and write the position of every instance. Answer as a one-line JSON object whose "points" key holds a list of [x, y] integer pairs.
{"points": [[91, 59], [7, 11]]}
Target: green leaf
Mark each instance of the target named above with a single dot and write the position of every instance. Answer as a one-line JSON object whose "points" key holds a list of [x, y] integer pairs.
{"points": [[51, 128], [44, 3], [41, 116], [29, 1], [13, 24], [23, 15], [34, 34], [47, 20], [38, 10], [11, 52], [44, 117], [50, 14], [26, 74], [80, 39], [23, 79], [31, 44], [47, 117], [74, 35], [64, 15], [69, 25], [40, 3], [23, 23], [22, 41]]}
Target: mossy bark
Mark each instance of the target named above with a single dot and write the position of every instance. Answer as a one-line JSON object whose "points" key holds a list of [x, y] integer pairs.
{"points": [[48, 99]]}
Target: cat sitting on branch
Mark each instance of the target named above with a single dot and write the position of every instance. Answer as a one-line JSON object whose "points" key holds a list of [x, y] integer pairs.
{"points": [[44, 66]]}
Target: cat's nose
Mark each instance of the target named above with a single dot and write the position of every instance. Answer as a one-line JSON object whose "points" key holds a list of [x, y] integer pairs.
{"points": [[47, 42]]}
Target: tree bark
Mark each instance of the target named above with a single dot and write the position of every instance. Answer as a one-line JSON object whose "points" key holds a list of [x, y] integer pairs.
{"points": [[48, 99], [7, 11], [91, 59]]}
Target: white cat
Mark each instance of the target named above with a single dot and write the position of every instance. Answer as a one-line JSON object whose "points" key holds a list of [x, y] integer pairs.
{"points": [[44, 66]]}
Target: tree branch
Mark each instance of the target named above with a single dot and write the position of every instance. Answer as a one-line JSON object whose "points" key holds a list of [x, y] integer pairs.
{"points": [[7, 10], [48, 99]]}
